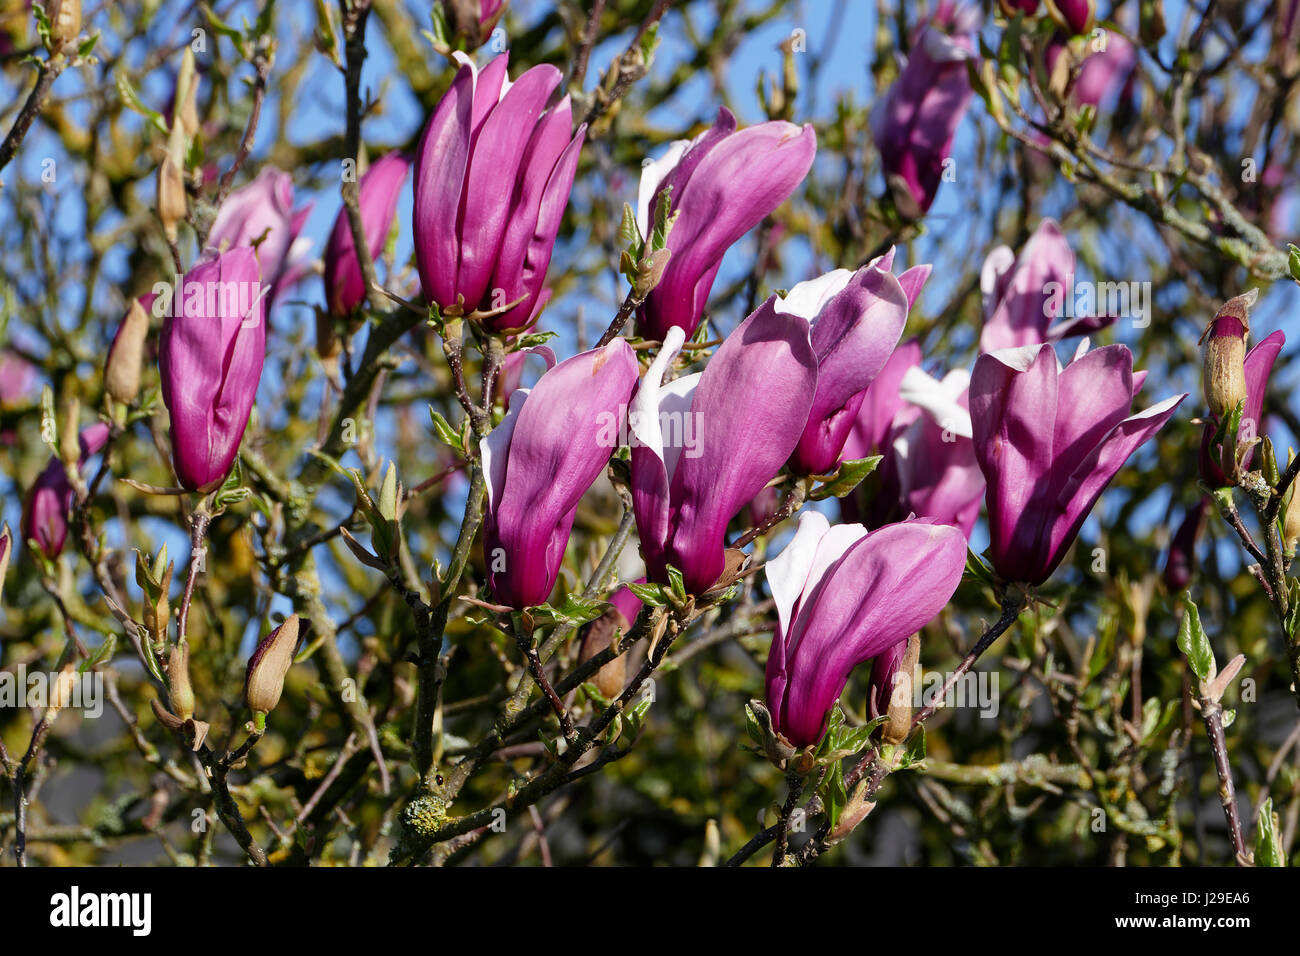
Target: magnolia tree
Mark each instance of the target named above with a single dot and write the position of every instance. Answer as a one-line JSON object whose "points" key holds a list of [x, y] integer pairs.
{"points": [[637, 431]]}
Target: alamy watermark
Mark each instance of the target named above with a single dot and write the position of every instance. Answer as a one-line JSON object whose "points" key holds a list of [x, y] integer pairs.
{"points": [[978, 690], [62, 689], [1082, 299], [680, 429]]}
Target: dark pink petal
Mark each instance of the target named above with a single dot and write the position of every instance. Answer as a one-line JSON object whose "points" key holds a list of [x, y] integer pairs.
{"points": [[751, 405], [741, 179], [494, 164], [439, 180], [1013, 405], [884, 588], [562, 436], [379, 189]]}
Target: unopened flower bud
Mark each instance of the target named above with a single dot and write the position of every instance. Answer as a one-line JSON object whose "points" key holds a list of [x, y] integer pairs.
{"points": [[1224, 368], [185, 106], [179, 689], [70, 434], [267, 668], [61, 691], [898, 721], [1290, 518], [155, 580], [65, 20], [1075, 15], [171, 196], [126, 355]]}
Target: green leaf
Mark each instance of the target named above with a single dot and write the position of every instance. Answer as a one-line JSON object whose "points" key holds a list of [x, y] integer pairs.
{"points": [[753, 727], [977, 569], [1193, 642], [850, 474], [446, 434], [664, 219], [676, 583], [132, 99], [629, 233], [915, 753], [102, 653], [833, 794], [574, 612], [652, 594], [1293, 262], [1268, 842]]}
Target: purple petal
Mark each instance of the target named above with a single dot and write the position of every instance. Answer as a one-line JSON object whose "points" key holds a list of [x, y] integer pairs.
{"points": [[564, 433], [378, 192], [737, 183], [1013, 405], [494, 163], [752, 403], [439, 179], [884, 588]]}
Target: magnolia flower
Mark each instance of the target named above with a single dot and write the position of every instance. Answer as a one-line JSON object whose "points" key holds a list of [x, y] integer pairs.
{"points": [[881, 405], [856, 319], [492, 178], [261, 214], [539, 462], [914, 123], [345, 287], [1105, 71], [210, 355], [472, 20], [1074, 15], [1049, 440], [1024, 294], [743, 414], [45, 516], [723, 183], [842, 597], [929, 469]]}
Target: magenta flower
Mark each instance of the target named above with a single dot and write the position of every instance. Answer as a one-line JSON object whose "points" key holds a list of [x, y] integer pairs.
{"points": [[492, 178], [914, 123], [472, 20], [1074, 15], [704, 445], [1049, 440], [345, 289], [1025, 294], [1258, 368], [45, 517], [261, 214], [881, 404], [724, 182], [844, 596], [540, 461], [1105, 72], [856, 319], [929, 469], [210, 355]]}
